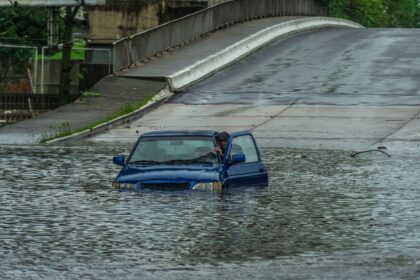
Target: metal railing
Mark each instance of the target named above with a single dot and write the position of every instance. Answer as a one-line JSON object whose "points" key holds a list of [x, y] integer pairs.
{"points": [[30, 101], [144, 45]]}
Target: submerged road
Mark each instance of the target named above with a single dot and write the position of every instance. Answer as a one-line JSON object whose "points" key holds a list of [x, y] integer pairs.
{"points": [[330, 88]]}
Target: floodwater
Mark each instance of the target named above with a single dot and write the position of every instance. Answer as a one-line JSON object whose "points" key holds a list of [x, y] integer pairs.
{"points": [[325, 215]]}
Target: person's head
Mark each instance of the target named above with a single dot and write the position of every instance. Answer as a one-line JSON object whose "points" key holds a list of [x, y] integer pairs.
{"points": [[222, 139]]}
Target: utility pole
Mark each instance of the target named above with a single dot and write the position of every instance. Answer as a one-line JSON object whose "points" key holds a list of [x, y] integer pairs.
{"points": [[53, 20], [65, 76]]}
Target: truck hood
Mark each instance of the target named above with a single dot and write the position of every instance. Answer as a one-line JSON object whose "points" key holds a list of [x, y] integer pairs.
{"points": [[168, 173]]}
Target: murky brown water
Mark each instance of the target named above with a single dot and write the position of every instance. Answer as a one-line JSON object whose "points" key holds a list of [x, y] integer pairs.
{"points": [[325, 215]]}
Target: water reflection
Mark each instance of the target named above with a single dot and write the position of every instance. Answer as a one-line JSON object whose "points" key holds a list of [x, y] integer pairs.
{"points": [[60, 217]]}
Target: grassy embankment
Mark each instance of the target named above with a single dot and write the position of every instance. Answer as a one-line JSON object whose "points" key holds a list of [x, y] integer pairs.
{"points": [[65, 129]]}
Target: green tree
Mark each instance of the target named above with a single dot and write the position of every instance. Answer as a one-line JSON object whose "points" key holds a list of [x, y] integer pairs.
{"points": [[19, 26], [23, 25], [370, 13], [376, 13], [402, 13], [28, 26]]}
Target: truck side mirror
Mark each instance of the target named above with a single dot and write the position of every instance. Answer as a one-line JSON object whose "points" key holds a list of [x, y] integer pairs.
{"points": [[119, 160], [237, 159]]}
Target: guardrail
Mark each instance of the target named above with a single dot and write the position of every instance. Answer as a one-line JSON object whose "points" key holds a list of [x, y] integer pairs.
{"points": [[144, 45]]}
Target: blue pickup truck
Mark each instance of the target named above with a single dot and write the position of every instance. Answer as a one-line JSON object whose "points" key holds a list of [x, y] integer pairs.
{"points": [[185, 160]]}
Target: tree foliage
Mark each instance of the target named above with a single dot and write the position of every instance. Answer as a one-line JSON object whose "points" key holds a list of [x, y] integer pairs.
{"points": [[376, 13], [19, 26]]}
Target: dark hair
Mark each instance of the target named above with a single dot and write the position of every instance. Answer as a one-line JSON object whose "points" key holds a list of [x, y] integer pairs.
{"points": [[222, 136]]}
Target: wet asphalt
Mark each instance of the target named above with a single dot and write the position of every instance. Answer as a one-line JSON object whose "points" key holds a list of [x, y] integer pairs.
{"points": [[332, 88], [334, 66]]}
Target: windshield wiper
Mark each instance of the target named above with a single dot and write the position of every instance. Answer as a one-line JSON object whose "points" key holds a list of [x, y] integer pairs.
{"points": [[144, 162], [190, 161], [176, 161]]}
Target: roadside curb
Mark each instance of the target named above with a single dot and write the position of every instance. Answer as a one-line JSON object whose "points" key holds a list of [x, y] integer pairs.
{"points": [[215, 62], [156, 101]]}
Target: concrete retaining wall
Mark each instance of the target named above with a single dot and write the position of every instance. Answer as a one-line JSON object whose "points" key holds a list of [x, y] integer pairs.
{"points": [[127, 17]]}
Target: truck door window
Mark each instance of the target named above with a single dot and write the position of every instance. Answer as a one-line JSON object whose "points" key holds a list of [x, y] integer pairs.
{"points": [[245, 145]]}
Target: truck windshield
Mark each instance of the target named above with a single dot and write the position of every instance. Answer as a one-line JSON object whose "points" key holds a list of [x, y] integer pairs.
{"points": [[174, 150]]}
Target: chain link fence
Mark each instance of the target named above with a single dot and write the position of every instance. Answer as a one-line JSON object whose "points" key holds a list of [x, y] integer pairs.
{"points": [[18, 69], [30, 78], [36, 70]]}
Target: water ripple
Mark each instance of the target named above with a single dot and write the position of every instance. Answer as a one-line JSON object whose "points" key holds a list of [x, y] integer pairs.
{"points": [[60, 219]]}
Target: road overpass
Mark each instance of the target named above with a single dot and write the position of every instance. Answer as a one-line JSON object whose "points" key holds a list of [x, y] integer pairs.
{"points": [[328, 87], [339, 88]]}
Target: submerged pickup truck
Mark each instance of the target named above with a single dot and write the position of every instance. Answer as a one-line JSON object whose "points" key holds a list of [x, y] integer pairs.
{"points": [[186, 160]]}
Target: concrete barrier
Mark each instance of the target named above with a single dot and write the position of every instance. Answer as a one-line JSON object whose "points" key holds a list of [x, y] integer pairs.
{"points": [[231, 54]]}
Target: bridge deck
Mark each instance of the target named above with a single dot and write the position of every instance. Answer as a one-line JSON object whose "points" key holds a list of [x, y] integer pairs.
{"points": [[171, 62], [329, 88]]}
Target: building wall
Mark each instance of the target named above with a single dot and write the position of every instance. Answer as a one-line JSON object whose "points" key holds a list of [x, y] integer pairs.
{"points": [[121, 18], [51, 83]]}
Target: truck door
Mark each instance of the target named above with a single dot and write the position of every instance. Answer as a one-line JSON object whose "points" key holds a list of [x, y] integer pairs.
{"points": [[250, 172]]}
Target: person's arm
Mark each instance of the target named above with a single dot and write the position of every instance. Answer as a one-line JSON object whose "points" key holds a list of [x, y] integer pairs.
{"points": [[219, 151]]}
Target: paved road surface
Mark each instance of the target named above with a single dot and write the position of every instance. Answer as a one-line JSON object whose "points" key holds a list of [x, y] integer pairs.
{"points": [[331, 88]]}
